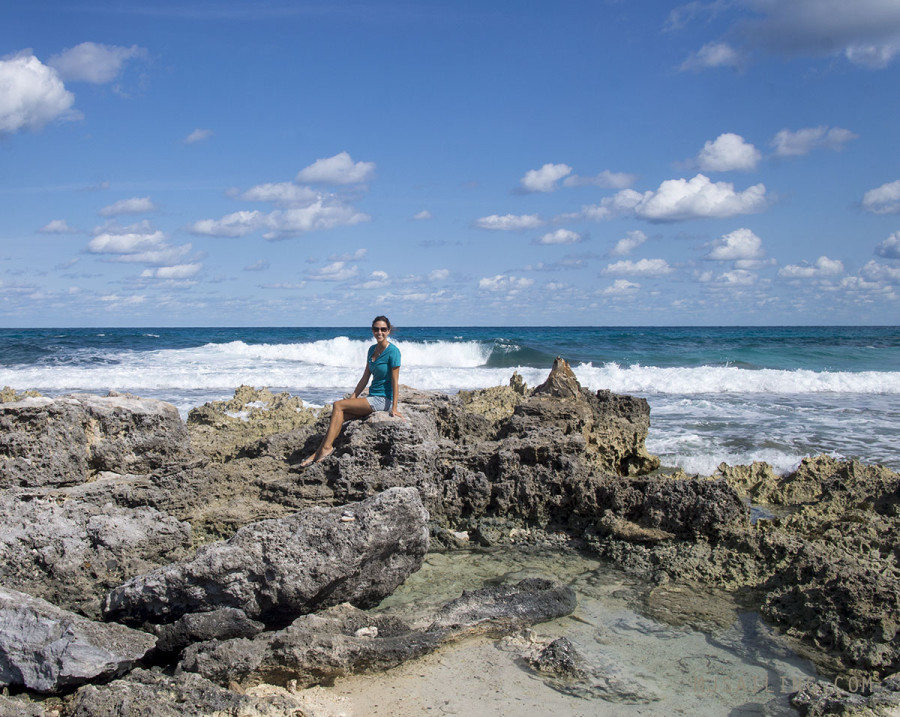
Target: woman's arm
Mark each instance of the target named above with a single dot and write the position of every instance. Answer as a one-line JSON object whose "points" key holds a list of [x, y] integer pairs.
{"points": [[395, 384], [363, 382]]}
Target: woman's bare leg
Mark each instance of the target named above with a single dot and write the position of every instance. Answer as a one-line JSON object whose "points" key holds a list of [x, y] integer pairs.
{"points": [[344, 410]]}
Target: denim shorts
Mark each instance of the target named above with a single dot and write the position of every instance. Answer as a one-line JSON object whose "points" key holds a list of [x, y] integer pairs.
{"points": [[379, 403]]}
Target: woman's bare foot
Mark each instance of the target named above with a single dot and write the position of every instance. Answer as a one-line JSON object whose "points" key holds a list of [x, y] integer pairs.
{"points": [[322, 455], [317, 457]]}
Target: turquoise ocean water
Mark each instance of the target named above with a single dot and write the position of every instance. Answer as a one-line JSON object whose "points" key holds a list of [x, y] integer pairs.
{"points": [[733, 394]]}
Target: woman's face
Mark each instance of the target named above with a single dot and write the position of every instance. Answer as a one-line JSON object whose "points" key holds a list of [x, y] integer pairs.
{"points": [[380, 330]]}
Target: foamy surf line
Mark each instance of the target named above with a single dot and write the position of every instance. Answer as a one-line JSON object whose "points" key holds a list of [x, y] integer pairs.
{"points": [[727, 379], [341, 352], [185, 370]]}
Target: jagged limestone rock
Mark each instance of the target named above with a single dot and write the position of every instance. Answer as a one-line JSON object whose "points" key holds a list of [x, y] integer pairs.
{"points": [[275, 570], [47, 649], [64, 441]]}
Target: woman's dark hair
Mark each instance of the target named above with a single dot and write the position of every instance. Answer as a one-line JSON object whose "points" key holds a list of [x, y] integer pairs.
{"points": [[385, 319]]}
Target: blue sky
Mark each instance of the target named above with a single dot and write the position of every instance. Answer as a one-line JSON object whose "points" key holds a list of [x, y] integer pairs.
{"points": [[450, 163]]}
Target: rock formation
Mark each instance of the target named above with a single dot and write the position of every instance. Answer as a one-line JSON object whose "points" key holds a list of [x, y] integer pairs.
{"points": [[316, 649], [47, 649], [156, 694], [278, 569], [53, 442], [212, 537]]}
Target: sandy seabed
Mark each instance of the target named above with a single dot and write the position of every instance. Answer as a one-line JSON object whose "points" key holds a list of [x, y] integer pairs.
{"points": [[679, 653]]}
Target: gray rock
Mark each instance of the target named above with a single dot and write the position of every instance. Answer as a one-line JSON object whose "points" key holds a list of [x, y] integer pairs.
{"points": [[275, 570], [72, 552], [222, 624], [18, 707], [560, 659], [564, 669], [47, 649], [343, 640], [51, 442], [505, 608], [158, 695]]}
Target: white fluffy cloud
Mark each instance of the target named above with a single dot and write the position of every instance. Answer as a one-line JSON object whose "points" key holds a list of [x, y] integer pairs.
{"points": [[283, 194], [335, 271], [138, 244], [737, 277], [629, 243], [621, 287], [301, 209], [503, 282], [32, 94], [728, 152], [884, 199], [423, 215], [134, 205], [236, 224], [684, 199], [376, 280], [738, 245], [319, 216], [509, 222], [823, 267], [873, 271], [803, 141], [174, 273], [545, 178], [606, 180], [281, 224], [642, 267], [438, 275], [890, 247], [339, 169], [126, 242], [92, 62], [560, 236]]}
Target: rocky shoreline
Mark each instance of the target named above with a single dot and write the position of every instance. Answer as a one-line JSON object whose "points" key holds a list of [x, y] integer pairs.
{"points": [[178, 564]]}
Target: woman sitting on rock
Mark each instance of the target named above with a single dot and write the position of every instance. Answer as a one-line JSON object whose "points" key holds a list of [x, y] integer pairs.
{"points": [[383, 367]]}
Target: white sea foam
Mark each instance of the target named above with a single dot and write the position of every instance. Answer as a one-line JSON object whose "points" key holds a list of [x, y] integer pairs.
{"points": [[439, 365], [729, 379], [344, 352]]}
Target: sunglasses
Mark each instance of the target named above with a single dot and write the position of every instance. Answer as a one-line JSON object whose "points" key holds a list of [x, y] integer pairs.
{"points": [[380, 329]]}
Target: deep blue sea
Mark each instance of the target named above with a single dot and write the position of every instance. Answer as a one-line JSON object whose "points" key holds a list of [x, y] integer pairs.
{"points": [[734, 394]]}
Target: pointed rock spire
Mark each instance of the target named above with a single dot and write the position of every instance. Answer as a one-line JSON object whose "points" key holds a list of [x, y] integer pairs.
{"points": [[561, 382]]}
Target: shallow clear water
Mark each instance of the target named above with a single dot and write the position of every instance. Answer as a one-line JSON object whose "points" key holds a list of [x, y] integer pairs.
{"points": [[675, 652]]}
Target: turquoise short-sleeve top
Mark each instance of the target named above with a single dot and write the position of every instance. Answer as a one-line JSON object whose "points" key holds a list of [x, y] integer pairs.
{"points": [[381, 368]]}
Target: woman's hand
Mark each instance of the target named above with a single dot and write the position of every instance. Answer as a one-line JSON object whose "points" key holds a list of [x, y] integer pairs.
{"points": [[396, 414]]}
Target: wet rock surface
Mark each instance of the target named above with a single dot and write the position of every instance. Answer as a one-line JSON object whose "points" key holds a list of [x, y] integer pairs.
{"points": [[317, 649], [565, 670]]}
